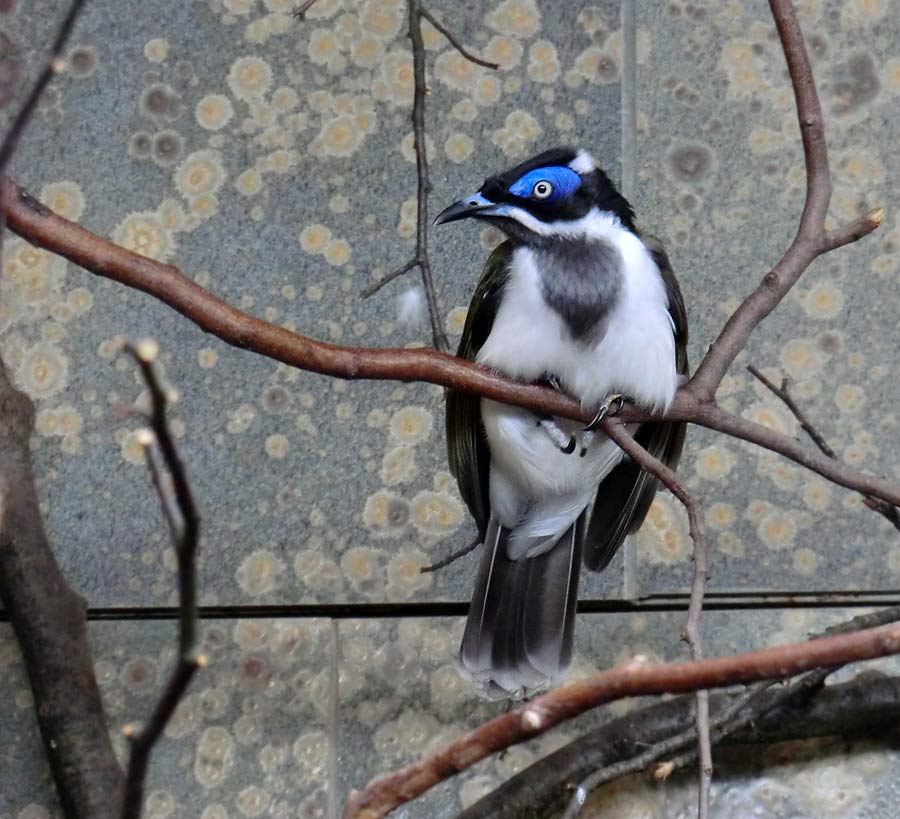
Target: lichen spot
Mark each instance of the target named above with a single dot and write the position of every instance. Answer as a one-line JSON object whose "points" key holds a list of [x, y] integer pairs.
{"points": [[64, 199], [156, 50], [214, 112]]}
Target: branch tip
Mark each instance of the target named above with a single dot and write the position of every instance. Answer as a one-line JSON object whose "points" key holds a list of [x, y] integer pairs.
{"points": [[147, 350]]}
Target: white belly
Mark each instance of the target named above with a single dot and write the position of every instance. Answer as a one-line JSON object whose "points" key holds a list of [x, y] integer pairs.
{"points": [[533, 485]]}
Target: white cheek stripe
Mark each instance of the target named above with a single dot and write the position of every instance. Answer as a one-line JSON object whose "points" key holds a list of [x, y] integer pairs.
{"points": [[595, 223]]}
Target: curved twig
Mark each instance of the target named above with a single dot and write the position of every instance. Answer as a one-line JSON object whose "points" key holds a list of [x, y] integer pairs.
{"points": [[454, 41]]}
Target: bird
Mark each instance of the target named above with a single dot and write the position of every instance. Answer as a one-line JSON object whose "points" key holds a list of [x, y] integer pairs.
{"points": [[578, 298]]}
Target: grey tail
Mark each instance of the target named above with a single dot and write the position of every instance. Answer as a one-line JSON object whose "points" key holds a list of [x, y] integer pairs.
{"points": [[518, 633]]}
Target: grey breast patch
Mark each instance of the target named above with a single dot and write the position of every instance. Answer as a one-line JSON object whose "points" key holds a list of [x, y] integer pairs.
{"points": [[581, 279]]}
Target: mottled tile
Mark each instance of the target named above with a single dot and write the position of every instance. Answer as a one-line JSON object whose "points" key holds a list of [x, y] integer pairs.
{"points": [[721, 179], [251, 738], [270, 159]]}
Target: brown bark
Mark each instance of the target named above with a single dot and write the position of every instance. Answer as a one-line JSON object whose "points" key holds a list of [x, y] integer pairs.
{"points": [[49, 621]]}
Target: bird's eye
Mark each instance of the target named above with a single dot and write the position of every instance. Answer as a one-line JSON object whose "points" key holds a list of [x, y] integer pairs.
{"points": [[542, 189]]}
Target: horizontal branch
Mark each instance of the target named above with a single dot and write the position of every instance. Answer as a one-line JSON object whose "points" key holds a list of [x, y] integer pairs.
{"points": [[627, 744], [629, 680], [866, 706], [37, 224]]}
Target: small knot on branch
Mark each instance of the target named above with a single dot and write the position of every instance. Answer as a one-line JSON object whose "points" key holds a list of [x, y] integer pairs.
{"points": [[531, 720]]}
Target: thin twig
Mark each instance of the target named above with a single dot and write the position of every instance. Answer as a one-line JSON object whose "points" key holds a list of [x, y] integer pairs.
{"points": [[454, 41], [452, 557], [423, 187], [886, 510], [54, 66], [782, 393], [656, 752], [185, 531], [691, 635], [165, 498], [372, 289], [42, 228], [305, 6]]}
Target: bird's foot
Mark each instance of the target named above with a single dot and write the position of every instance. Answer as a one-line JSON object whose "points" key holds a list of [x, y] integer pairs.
{"points": [[610, 406], [564, 442]]}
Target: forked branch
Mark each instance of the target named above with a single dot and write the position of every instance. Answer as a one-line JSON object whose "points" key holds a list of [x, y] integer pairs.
{"points": [[184, 527]]}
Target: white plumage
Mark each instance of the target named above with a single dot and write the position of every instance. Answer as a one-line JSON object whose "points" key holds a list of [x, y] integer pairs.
{"points": [[534, 487]]}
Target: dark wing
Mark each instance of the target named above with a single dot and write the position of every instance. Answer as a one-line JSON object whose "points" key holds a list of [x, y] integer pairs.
{"points": [[467, 448], [625, 495]]}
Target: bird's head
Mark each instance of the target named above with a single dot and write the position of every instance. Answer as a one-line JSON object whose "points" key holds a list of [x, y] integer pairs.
{"points": [[555, 194]]}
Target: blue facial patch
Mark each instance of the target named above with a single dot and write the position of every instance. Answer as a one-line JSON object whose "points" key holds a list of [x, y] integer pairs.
{"points": [[562, 180]]}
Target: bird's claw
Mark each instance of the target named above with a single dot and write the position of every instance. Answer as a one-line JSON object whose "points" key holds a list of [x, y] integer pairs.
{"points": [[610, 406]]}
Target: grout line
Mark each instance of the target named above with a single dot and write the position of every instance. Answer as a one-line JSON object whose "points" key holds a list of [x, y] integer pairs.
{"points": [[629, 99], [660, 602], [333, 783], [630, 587]]}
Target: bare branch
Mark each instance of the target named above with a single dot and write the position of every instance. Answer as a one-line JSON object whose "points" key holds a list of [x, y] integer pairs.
{"points": [[185, 530], [782, 393], [372, 289], [890, 513], [423, 186], [542, 787], [49, 620], [52, 67], [452, 557], [697, 524], [452, 39], [47, 615], [629, 680], [305, 6], [657, 751], [811, 240]]}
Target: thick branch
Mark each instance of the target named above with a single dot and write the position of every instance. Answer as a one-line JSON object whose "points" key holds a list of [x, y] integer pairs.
{"points": [[629, 744], [867, 706], [47, 615], [49, 621], [38, 225], [630, 680]]}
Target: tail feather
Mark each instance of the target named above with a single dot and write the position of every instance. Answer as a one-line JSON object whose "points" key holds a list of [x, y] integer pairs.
{"points": [[519, 630]]}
